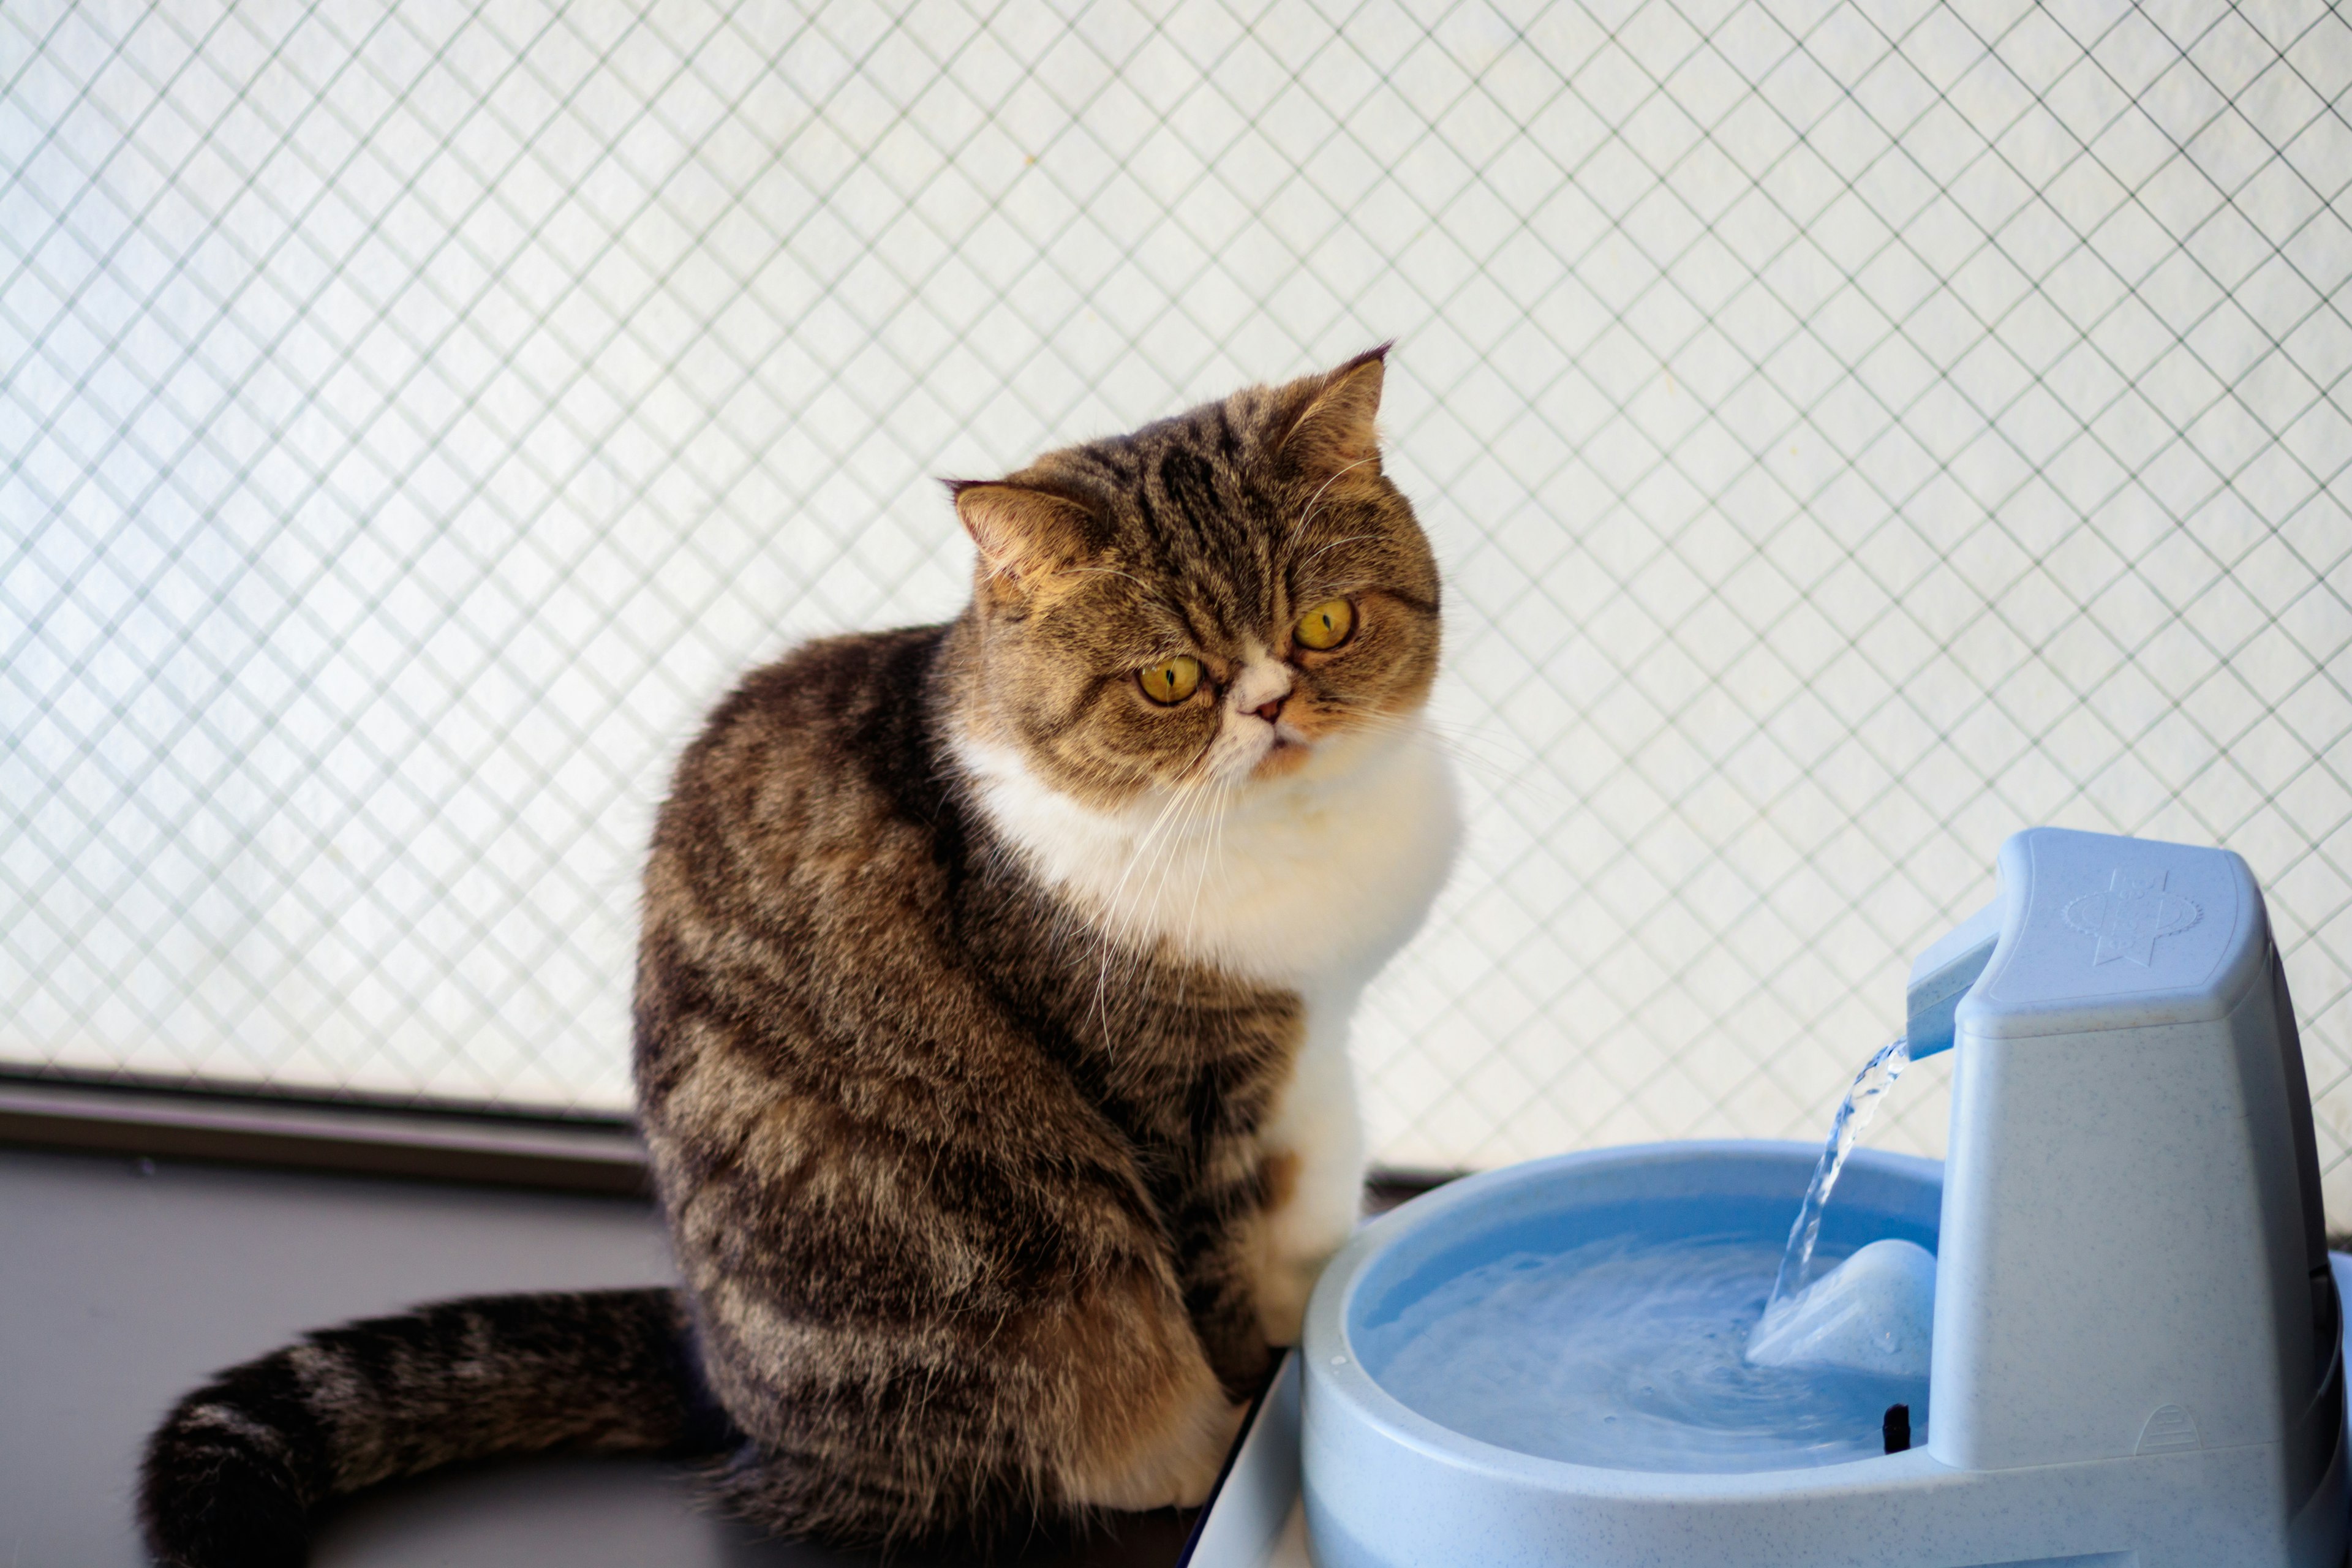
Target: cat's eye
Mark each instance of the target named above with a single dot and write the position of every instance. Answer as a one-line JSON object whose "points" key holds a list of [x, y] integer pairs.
{"points": [[1326, 626], [1170, 680]]}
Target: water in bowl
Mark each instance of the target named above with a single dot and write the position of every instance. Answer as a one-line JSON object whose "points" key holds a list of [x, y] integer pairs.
{"points": [[1630, 1353]]}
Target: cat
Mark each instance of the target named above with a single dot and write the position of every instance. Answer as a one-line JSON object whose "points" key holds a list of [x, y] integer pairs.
{"points": [[991, 1031]]}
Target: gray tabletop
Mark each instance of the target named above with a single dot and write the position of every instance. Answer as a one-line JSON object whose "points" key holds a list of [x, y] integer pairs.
{"points": [[121, 1285]]}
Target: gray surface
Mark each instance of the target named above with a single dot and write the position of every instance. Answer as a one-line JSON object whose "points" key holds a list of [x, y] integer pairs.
{"points": [[120, 1290]]}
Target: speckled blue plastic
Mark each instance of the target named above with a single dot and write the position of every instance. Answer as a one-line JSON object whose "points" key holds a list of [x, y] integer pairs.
{"points": [[2137, 1354], [1386, 1488]]}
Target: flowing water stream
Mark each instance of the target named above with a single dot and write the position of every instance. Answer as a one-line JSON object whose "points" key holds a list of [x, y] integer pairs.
{"points": [[1854, 1113]]}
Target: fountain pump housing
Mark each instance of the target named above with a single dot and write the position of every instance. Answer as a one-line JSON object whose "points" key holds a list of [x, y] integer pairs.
{"points": [[2138, 1356], [2132, 1258]]}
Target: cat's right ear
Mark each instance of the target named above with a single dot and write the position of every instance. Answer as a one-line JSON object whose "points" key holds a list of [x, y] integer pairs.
{"points": [[1333, 430], [1022, 535]]}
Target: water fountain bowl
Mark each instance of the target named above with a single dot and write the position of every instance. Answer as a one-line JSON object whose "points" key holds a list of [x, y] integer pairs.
{"points": [[2138, 1358]]}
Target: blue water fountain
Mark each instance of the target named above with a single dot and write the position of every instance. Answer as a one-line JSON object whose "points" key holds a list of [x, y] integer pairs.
{"points": [[2135, 1338]]}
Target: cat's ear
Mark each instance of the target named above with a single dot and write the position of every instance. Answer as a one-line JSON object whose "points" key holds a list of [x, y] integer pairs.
{"points": [[1021, 534], [1334, 429]]}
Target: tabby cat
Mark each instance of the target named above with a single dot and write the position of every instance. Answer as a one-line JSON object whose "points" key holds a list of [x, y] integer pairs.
{"points": [[991, 1031]]}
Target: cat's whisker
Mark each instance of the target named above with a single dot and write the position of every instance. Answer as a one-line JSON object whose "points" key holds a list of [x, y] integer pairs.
{"points": [[1150, 856], [1317, 553], [1307, 513], [1454, 737], [1200, 762], [1116, 912], [1207, 801], [1519, 768], [1110, 932], [1223, 817], [1183, 974], [1208, 842], [1108, 572], [1216, 854]]}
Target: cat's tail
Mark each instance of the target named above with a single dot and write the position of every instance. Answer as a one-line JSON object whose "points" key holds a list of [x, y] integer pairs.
{"points": [[232, 1476]]}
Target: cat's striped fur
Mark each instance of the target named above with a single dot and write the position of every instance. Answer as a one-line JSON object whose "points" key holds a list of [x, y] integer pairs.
{"points": [[990, 1032], [234, 1474]]}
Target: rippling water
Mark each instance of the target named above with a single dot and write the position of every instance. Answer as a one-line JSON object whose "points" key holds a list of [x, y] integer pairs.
{"points": [[1629, 1353]]}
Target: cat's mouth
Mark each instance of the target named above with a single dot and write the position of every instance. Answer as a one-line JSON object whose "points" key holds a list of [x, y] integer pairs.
{"points": [[1286, 752]]}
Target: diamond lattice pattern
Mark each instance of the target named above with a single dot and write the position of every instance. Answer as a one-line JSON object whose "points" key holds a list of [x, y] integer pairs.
{"points": [[1852, 431]]}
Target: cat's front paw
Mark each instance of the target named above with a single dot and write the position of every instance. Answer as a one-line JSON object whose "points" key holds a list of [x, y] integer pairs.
{"points": [[1178, 1468], [1282, 1295]]}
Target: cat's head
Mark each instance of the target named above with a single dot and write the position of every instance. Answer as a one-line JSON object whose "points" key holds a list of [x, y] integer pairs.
{"points": [[1220, 597]]}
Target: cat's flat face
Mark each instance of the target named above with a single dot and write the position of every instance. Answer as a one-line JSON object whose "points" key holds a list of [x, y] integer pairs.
{"points": [[1216, 599]]}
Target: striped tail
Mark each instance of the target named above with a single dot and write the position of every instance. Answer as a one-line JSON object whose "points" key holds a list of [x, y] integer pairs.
{"points": [[232, 1476]]}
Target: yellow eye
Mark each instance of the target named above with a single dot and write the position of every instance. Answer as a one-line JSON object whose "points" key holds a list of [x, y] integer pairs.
{"points": [[1170, 680], [1326, 626]]}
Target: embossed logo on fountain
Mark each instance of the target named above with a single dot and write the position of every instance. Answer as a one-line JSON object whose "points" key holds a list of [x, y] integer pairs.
{"points": [[2168, 1429], [2131, 915]]}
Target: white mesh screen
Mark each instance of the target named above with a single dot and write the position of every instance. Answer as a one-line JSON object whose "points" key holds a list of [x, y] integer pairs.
{"points": [[1852, 431]]}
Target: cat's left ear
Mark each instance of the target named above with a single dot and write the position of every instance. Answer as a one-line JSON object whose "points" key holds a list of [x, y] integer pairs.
{"points": [[1021, 534], [1336, 429]]}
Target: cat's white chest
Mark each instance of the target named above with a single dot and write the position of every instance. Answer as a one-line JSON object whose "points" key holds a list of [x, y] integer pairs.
{"points": [[1310, 883]]}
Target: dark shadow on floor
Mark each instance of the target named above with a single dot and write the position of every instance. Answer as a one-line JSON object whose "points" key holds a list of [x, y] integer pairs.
{"points": [[122, 1287], [599, 1510]]}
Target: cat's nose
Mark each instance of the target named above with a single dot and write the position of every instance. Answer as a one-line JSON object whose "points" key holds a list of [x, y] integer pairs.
{"points": [[1259, 686]]}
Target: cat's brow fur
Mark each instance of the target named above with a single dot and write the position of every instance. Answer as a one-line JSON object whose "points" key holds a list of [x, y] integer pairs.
{"points": [[968, 1181]]}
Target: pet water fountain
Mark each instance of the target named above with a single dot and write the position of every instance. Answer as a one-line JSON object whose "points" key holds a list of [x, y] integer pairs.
{"points": [[2123, 1352]]}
